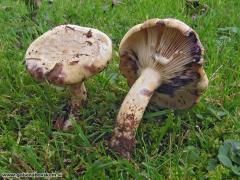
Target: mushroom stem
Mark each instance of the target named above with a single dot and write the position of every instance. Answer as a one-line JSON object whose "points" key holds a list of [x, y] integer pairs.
{"points": [[78, 99], [131, 111], [78, 96]]}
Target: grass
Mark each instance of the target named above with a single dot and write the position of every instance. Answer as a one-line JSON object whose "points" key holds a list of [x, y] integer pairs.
{"points": [[171, 145]]}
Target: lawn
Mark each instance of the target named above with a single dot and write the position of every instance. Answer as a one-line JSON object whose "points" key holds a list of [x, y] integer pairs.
{"points": [[171, 144]]}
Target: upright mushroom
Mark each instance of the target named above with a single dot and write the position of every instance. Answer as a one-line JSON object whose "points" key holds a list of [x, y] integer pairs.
{"points": [[162, 60], [66, 56]]}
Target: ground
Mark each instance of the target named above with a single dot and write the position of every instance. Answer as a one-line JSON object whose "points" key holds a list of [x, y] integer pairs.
{"points": [[171, 144]]}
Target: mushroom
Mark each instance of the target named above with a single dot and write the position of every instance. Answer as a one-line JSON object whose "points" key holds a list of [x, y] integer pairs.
{"points": [[162, 60], [66, 56]]}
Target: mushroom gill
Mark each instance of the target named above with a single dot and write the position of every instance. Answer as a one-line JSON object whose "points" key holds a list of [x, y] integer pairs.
{"points": [[166, 50]]}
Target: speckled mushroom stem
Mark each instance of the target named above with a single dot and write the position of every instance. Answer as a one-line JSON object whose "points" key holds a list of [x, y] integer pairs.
{"points": [[78, 99], [78, 96], [131, 112]]}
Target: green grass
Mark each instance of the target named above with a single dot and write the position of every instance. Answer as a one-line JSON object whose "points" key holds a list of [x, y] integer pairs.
{"points": [[171, 145]]}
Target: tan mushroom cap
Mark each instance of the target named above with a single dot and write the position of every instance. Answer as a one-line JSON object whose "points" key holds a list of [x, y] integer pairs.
{"points": [[68, 54], [172, 48]]}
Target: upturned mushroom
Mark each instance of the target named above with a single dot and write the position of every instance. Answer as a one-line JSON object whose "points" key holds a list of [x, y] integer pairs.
{"points": [[66, 56], [162, 60]]}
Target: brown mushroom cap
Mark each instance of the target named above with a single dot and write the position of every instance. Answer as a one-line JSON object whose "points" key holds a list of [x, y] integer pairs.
{"points": [[173, 49], [68, 54]]}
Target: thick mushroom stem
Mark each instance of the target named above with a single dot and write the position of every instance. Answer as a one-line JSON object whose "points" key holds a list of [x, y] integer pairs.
{"points": [[78, 96], [78, 99], [131, 111]]}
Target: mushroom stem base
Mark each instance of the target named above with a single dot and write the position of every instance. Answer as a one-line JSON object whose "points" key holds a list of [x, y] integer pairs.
{"points": [[131, 112]]}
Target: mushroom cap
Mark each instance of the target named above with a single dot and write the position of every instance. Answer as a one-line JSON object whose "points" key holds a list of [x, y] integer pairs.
{"points": [[68, 54], [173, 49]]}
